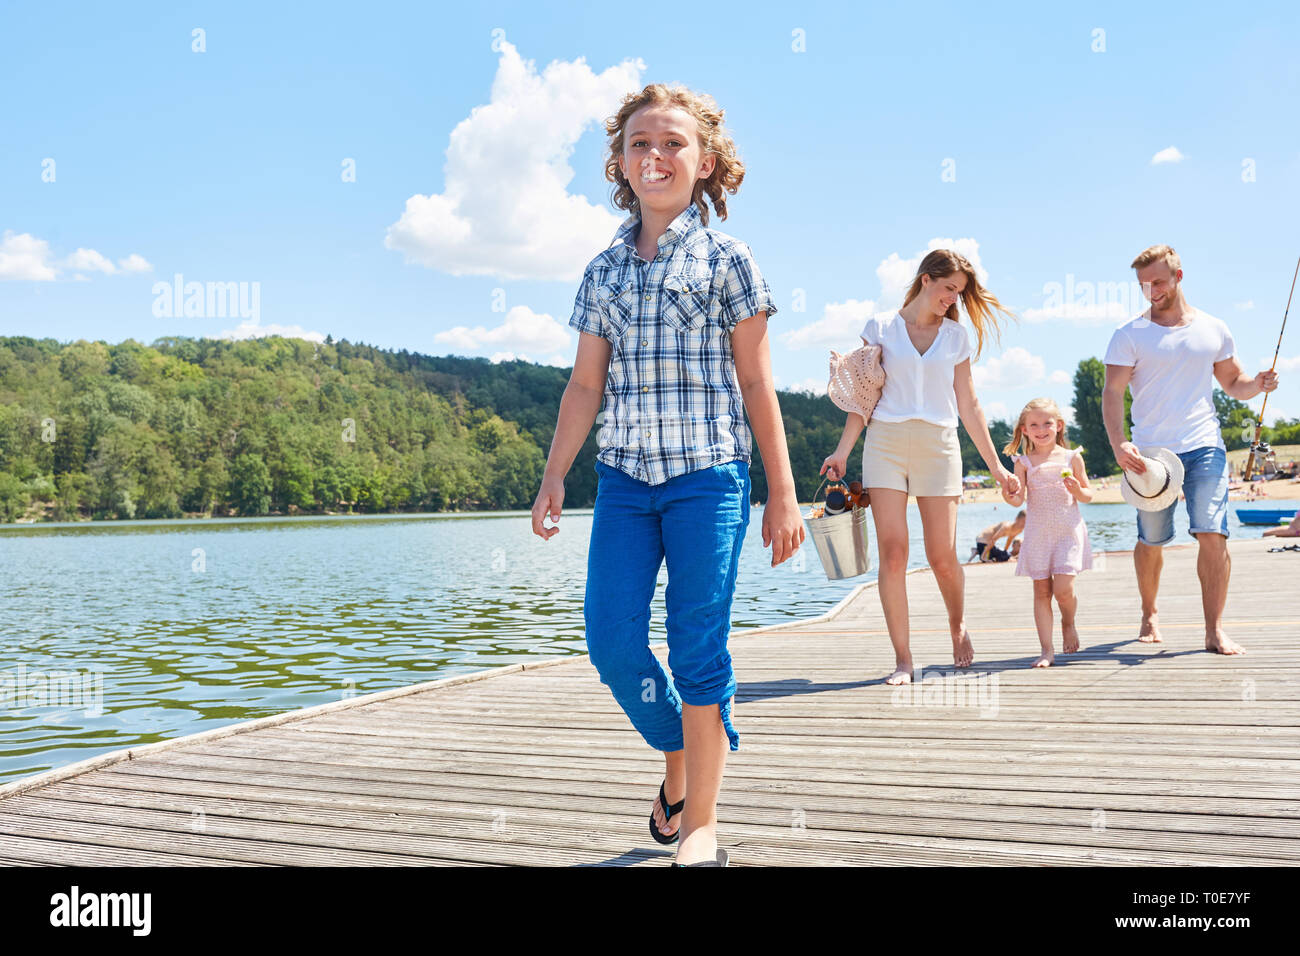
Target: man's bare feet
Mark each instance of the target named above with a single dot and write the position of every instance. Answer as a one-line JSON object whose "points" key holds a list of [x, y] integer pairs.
{"points": [[901, 675], [963, 654], [1150, 631], [1047, 659], [1069, 639], [1220, 643], [674, 790]]}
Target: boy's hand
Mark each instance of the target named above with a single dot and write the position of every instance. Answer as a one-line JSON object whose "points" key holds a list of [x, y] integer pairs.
{"points": [[782, 526], [550, 500]]}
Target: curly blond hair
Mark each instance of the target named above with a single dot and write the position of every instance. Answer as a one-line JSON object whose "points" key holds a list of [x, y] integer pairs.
{"points": [[981, 305], [728, 170]]}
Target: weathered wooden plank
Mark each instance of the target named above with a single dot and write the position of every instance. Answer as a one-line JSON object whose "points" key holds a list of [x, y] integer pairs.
{"points": [[1123, 754]]}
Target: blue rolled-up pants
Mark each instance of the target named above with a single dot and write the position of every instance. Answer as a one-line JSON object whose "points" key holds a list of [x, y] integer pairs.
{"points": [[697, 523]]}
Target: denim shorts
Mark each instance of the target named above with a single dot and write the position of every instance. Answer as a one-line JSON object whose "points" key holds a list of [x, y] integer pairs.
{"points": [[697, 523], [1205, 484]]}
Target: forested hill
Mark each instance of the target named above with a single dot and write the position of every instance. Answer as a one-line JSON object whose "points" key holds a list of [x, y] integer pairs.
{"points": [[283, 426], [274, 425]]}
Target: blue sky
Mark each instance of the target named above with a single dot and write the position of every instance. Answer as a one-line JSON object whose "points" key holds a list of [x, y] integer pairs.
{"points": [[1021, 134]]}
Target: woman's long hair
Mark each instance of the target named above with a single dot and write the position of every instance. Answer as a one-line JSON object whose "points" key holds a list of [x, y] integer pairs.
{"points": [[981, 305]]}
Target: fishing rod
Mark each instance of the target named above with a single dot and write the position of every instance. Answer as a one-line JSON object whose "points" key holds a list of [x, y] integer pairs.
{"points": [[1259, 425]]}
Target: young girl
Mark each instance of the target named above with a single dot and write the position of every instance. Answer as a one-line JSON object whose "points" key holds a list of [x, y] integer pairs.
{"points": [[1056, 544], [911, 446], [673, 323]]}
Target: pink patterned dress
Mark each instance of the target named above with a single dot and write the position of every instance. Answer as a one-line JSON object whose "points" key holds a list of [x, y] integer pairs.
{"points": [[1056, 539]]}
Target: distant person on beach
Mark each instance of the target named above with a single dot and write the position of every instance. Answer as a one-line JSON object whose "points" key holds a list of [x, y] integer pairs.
{"points": [[1291, 530], [673, 322], [1056, 547], [1171, 355], [986, 548], [911, 443]]}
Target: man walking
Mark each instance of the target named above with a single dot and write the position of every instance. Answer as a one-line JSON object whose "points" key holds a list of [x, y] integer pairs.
{"points": [[1171, 354]]}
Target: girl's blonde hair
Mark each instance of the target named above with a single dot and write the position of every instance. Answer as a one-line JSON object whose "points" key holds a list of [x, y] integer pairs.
{"points": [[980, 302], [728, 170], [1018, 437]]}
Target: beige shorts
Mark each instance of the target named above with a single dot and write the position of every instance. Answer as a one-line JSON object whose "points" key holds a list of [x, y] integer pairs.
{"points": [[915, 456]]}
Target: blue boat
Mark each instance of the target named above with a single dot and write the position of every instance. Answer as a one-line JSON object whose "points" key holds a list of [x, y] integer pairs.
{"points": [[1265, 515]]}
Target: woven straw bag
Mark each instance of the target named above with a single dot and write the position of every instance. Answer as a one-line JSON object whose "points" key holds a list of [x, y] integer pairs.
{"points": [[857, 380]]}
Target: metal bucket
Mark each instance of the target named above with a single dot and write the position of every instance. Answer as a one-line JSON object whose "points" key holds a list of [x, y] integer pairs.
{"points": [[841, 541]]}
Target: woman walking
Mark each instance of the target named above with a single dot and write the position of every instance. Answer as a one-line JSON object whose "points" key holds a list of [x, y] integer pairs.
{"points": [[911, 446]]}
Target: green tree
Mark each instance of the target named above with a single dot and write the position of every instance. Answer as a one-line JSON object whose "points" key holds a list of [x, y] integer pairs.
{"points": [[250, 485], [1089, 428]]}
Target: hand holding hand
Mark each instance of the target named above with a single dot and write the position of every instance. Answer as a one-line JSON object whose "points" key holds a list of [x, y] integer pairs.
{"points": [[1008, 481]]}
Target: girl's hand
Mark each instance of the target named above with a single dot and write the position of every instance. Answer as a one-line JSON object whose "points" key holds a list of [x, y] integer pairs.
{"points": [[837, 465], [1071, 485], [1009, 483], [782, 526], [550, 500]]}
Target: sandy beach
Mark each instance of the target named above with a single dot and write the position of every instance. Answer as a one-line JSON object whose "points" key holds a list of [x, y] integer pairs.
{"points": [[1106, 490]]}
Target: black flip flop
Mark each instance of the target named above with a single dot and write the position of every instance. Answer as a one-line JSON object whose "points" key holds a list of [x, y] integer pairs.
{"points": [[669, 813]]}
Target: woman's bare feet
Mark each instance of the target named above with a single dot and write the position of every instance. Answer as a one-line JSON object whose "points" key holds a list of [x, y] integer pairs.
{"points": [[1150, 631], [902, 675], [1069, 638], [1046, 659], [1220, 643], [963, 654]]}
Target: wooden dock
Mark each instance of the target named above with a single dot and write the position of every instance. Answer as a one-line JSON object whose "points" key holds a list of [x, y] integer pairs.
{"points": [[1124, 754]]}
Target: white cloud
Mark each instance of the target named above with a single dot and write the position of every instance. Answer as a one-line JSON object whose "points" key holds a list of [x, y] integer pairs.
{"points": [[896, 273], [134, 263], [1068, 412], [505, 209], [1284, 364], [996, 410], [25, 257], [1060, 377], [839, 327], [1017, 367], [841, 322], [812, 386], [557, 360], [89, 260], [522, 329], [1244, 306], [1168, 155], [250, 329]]}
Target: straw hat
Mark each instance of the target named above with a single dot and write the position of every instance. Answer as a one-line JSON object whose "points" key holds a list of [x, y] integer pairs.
{"points": [[857, 380], [1157, 487]]}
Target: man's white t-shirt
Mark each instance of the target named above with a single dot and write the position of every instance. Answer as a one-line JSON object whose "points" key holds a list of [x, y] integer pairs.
{"points": [[917, 385], [1173, 379]]}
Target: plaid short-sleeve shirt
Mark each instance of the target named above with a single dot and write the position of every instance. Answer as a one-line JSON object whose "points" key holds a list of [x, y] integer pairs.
{"points": [[672, 401]]}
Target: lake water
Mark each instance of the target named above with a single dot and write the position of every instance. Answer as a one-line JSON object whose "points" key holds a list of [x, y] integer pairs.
{"points": [[178, 627]]}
